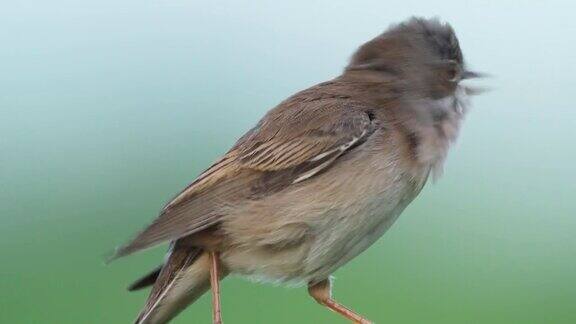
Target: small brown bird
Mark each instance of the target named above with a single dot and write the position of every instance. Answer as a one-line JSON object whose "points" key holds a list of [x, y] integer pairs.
{"points": [[318, 180]]}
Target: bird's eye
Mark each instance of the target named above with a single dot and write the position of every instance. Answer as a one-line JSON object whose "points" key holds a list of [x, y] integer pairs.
{"points": [[452, 76], [452, 72]]}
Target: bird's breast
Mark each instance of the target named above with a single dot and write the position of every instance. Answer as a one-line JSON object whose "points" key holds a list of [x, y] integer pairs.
{"points": [[307, 232]]}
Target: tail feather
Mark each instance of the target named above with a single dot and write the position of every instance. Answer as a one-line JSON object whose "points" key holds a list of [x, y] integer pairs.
{"points": [[184, 278], [145, 281]]}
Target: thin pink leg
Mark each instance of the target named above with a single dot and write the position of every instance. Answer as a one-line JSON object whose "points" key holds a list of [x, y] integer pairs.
{"points": [[215, 284], [321, 292]]}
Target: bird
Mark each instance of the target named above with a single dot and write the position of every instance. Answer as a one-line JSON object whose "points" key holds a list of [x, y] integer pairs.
{"points": [[318, 179]]}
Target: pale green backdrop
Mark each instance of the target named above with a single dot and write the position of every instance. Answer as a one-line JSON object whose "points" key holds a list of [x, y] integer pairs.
{"points": [[108, 108]]}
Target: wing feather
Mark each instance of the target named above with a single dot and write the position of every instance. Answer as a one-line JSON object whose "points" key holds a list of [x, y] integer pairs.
{"points": [[285, 148]]}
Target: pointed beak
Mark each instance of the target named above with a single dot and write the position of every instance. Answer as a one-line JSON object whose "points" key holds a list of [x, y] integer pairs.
{"points": [[475, 91], [473, 75]]}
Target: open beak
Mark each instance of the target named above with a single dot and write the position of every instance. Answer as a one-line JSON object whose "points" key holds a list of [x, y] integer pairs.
{"points": [[474, 90], [472, 75]]}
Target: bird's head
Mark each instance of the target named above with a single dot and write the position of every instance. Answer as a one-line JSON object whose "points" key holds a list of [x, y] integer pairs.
{"points": [[422, 54]]}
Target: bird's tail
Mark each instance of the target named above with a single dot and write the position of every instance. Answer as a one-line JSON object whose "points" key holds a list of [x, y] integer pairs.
{"points": [[184, 277]]}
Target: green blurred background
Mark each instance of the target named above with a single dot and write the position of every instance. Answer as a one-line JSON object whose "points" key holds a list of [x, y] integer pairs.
{"points": [[108, 108]]}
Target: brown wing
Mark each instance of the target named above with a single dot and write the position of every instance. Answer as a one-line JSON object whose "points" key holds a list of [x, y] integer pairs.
{"points": [[291, 143]]}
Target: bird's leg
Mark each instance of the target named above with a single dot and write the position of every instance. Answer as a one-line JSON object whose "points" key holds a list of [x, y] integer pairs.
{"points": [[215, 284], [322, 293]]}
